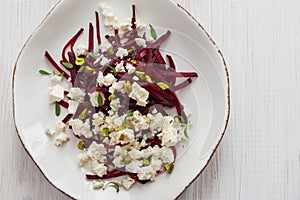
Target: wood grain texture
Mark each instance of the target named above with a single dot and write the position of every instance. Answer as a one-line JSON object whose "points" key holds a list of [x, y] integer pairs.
{"points": [[259, 157]]}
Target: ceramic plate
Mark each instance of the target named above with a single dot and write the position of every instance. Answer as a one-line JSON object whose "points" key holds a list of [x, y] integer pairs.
{"points": [[207, 97]]}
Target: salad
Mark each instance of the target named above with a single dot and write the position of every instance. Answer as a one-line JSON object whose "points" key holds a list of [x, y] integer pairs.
{"points": [[122, 103]]}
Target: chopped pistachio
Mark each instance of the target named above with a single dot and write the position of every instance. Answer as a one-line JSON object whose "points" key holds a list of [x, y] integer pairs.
{"points": [[169, 168], [89, 69], [81, 69], [126, 160], [81, 145], [92, 55], [140, 74], [111, 97], [146, 162], [134, 62], [105, 132], [127, 87], [148, 79], [111, 51], [162, 85], [83, 114]]}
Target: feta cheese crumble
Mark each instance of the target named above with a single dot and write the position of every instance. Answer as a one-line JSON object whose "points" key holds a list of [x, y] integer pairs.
{"points": [[121, 52], [76, 94], [56, 93], [139, 94]]}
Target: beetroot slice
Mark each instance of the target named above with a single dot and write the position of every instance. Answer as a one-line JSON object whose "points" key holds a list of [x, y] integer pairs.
{"points": [[71, 44], [55, 65], [67, 118], [159, 41], [133, 20], [98, 28], [63, 104], [182, 85], [91, 37]]}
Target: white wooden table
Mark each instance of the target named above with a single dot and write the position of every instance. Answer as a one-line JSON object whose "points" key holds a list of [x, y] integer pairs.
{"points": [[259, 157]]}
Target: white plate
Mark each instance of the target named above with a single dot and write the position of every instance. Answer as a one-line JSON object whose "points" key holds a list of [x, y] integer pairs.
{"points": [[193, 50]]}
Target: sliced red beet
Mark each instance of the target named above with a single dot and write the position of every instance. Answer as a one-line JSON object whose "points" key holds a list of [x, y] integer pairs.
{"points": [[67, 118], [182, 85], [71, 44], [64, 104], [91, 37], [98, 28], [55, 65]]}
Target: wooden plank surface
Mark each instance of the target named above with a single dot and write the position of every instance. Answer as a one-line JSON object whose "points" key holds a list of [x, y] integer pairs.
{"points": [[259, 157]]}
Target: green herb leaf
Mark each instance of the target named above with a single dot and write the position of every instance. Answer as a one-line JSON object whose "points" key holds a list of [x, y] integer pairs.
{"points": [[83, 114], [114, 185], [100, 100], [180, 118], [67, 65], [153, 32], [186, 132], [92, 55], [43, 72], [57, 109], [162, 85]]}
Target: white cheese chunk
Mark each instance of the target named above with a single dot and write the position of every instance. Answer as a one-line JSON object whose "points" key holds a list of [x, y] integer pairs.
{"points": [[98, 185], [97, 152], [121, 53], [76, 94], [123, 136], [139, 94], [83, 158], [59, 126], [81, 50], [94, 98], [107, 80], [130, 68], [100, 169], [56, 79], [117, 86], [80, 128], [134, 166], [140, 42], [166, 154], [72, 106], [56, 94], [50, 131], [169, 135], [120, 67], [127, 183], [61, 138], [104, 61]]}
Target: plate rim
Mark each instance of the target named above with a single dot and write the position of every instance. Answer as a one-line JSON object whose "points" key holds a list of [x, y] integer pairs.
{"points": [[185, 11]]}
